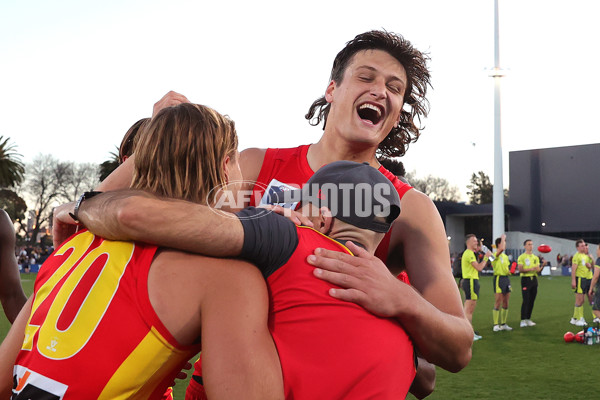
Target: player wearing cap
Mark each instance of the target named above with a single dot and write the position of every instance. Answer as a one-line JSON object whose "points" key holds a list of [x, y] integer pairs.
{"points": [[328, 348], [529, 267], [581, 278], [501, 282]]}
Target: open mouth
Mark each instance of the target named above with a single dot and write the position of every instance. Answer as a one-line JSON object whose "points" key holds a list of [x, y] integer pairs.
{"points": [[370, 112]]}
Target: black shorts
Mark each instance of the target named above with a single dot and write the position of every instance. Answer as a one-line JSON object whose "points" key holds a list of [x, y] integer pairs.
{"points": [[471, 288], [501, 284], [583, 285]]}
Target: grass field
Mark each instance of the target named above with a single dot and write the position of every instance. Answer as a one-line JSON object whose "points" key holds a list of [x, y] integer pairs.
{"points": [[527, 363]]}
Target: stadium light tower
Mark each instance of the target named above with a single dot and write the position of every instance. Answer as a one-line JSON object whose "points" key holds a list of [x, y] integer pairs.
{"points": [[498, 193]]}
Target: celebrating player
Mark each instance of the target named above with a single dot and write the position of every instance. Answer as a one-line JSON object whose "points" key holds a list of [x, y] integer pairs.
{"points": [[113, 319]]}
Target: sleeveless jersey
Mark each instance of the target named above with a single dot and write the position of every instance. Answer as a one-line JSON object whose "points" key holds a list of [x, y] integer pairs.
{"points": [[92, 332], [331, 349], [288, 169]]}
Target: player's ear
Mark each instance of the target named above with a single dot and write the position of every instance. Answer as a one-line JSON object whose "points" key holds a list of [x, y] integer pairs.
{"points": [[329, 91], [226, 165], [398, 119], [325, 221]]}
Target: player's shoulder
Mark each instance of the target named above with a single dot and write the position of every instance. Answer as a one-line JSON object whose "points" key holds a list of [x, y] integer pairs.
{"points": [[6, 227], [251, 161], [417, 207], [252, 153], [190, 266]]}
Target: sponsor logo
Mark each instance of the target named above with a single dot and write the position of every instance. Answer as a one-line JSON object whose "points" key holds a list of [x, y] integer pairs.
{"points": [[29, 384]]}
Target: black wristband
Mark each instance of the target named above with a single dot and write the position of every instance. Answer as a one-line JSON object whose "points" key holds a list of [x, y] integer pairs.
{"points": [[84, 196]]}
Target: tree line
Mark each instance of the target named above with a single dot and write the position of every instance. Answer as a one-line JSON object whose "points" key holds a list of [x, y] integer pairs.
{"points": [[480, 188], [30, 191]]}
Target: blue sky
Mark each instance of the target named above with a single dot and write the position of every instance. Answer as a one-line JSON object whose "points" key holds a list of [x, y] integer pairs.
{"points": [[74, 75]]}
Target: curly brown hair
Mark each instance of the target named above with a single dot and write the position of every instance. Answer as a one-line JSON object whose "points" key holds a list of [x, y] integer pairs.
{"points": [[415, 64]]}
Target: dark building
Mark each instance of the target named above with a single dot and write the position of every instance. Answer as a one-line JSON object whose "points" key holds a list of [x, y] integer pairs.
{"points": [[556, 192], [553, 192]]}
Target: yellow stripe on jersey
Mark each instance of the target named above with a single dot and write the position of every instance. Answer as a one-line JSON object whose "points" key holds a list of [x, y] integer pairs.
{"points": [[327, 237], [137, 376]]}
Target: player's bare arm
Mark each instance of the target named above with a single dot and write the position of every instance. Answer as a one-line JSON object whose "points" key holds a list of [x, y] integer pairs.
{"points": [[250, 163], [12, 295], [573, 276], [502, 246], [432, 314], [479, 266], [137, 215], [420, 233], [63, 227], [198, 293], [11, 345]]}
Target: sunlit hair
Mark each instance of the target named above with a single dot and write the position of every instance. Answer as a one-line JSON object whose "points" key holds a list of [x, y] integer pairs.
{"points": [[416, 105], [131, 138], [182, 153]]}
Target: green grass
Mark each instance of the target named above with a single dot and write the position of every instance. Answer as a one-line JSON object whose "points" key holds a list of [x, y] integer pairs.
{"points": [[527, 363], [27, 281]]}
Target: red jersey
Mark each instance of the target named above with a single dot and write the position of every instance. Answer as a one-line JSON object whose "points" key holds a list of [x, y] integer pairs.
{"points": [[331, 349], [288, 169], [92, 331]]}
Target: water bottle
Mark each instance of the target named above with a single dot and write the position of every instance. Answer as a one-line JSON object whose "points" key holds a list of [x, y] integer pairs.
{"points": [[485, 250]]}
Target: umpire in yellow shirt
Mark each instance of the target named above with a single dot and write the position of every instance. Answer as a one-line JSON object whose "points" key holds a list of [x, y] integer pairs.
{"points": [[502, 288], [581, 278], [470, 273], [529, 267]]}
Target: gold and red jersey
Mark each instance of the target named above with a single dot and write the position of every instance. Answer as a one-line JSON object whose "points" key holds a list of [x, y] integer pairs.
{"points": [[92, 332]]}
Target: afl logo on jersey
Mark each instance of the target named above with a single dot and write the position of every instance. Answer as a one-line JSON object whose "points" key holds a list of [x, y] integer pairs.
{"points": [[275, 190]]}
